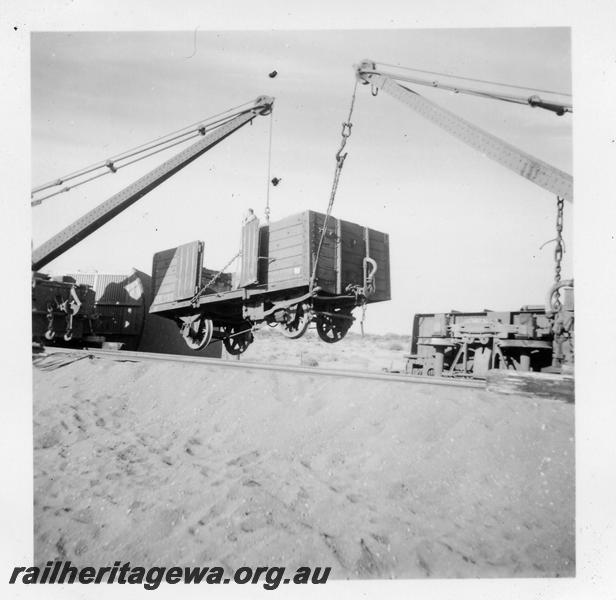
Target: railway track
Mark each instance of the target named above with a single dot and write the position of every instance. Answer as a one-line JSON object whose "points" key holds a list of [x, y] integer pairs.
{"points": [[125, 355]]}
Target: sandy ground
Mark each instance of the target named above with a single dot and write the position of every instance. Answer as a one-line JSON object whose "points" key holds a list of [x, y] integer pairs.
{"points": [[172, 464]]}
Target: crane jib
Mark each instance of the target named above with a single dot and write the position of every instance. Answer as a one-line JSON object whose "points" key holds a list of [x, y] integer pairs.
{"points": [[111, 207], [539, 172]]}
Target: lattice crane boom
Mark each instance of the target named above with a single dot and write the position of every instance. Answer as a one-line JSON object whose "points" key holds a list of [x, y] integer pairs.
{"points": [[524, 164], [110, 208]]}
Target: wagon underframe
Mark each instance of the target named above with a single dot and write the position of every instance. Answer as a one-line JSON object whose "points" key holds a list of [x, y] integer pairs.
{"points": [[231, 316]]}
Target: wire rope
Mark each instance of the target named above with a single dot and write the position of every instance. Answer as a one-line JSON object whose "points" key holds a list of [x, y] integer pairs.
{"points": [[509, 85], [161, 140], [38, 201], [269, 172]]}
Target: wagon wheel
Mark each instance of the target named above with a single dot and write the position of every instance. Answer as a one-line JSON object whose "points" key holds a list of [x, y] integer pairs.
{"points": [[333, 329], [197, 332], [237, 338], [297, 322]]}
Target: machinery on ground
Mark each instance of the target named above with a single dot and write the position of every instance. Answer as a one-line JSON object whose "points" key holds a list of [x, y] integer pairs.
{"points": [[467, 344], [63, 310]]}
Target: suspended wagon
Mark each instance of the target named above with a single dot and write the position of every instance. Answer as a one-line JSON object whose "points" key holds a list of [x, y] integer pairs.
{"points": [[306, 268]]}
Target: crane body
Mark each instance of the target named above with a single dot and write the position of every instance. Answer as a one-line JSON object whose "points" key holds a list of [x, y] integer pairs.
{"points": [[487, 339], [524, 164], [110, 208]]}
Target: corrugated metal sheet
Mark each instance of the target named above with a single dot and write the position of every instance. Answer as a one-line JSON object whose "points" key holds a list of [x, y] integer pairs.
{"points": [[113, 289], [85, 278], [119, 302]]}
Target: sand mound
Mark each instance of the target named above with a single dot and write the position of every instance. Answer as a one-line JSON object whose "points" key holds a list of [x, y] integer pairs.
{"points": [[174, 464]]}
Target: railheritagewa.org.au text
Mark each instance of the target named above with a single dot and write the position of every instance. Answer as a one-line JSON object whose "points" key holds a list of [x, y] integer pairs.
{"points": [[63, 572]]}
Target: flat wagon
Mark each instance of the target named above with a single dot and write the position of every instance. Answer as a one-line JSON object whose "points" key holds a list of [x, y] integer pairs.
{"points": [[306, 268]]}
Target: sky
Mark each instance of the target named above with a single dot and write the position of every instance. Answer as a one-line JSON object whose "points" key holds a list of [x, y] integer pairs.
{"points": [[465, 233]]}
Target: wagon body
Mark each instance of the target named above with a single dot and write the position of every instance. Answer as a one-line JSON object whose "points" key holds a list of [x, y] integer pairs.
{"points": [[277, 261], [289, 250], [302, 268]]}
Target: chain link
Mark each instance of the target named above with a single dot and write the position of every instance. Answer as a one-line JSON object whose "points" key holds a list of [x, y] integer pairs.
{"points": [[212, 281], [346, 132], [559, 249], [269, 170], [363, 317]]}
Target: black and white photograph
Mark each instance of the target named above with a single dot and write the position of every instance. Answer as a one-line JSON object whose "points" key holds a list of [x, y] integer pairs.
{"points": [[303, 307]]}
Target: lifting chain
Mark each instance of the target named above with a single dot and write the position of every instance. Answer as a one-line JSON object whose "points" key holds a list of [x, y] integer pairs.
{"points": [[360, 300], [559, 326], [269, 170], [212, 281], [50, 333], [340, 158], [363, 317], [560, 247]]}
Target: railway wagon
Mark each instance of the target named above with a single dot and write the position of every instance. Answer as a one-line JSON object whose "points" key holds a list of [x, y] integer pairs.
{"points": [[469, 344], [120, 316], [306, 268]]}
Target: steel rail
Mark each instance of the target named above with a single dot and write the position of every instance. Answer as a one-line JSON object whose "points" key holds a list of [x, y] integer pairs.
{"points": [[126, 355]]}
